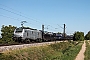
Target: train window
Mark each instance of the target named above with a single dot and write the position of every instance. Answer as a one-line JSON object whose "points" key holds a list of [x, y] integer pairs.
{"points": [[19, 30], [27, 33], [32, 32]]}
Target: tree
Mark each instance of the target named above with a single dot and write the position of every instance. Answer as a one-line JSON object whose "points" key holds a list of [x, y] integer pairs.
{"points": [[87, 36], [7, 33], [78, 36]]}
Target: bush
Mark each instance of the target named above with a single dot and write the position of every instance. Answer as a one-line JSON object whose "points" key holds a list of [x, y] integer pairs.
{"points": [[78, 36], [58, 51], [87, 52], [7, 33]]}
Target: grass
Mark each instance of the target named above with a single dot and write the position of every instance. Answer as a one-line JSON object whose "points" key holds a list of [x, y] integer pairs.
{"points": [[87, 52], [58, 51], [71, 52]]}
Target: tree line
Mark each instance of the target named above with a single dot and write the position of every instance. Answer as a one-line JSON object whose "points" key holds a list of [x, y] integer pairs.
{"points": [[7, 33]]}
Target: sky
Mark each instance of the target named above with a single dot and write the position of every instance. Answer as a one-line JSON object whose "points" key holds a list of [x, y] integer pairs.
{"points": [[51, 13]]}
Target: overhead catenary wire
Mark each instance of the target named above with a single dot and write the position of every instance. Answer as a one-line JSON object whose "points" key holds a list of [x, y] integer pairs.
{"points": [[20, 20], [17, 19], [10, 17], [19, 13], [22, 16], [11, 8]]}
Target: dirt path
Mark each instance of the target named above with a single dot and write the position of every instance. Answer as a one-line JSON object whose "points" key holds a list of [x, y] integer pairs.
{"points": [[80, 56]]}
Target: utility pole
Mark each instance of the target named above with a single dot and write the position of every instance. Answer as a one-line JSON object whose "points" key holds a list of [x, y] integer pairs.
{"points": [[42, 27], [42, 31], [64, 30]]}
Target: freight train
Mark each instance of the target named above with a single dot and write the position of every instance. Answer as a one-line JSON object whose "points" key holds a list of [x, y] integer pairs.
{"points": [[27, 35]]}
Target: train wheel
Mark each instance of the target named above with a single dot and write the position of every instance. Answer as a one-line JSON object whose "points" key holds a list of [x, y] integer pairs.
{"points": [[40, 40], [22, 41], [27, 41]]}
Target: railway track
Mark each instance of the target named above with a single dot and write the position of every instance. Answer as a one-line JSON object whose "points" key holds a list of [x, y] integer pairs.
{"points": [[14, 47]]}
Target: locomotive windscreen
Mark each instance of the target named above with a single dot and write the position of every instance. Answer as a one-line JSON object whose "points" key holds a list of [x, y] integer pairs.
{"points": [[18, 30]]}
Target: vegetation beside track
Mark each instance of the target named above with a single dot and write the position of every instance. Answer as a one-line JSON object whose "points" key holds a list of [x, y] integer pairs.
{"points": [[58, 51], [87, 52]]}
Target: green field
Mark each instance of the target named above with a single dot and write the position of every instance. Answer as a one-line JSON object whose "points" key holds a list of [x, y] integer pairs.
{"points": [[58, 51]]}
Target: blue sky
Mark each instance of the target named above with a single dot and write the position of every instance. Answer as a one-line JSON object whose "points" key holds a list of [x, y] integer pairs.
{"points": [[74, 13]]}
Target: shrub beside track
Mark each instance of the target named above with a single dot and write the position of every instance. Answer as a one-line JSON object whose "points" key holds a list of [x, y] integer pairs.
{"points": [[58, 51], [87, 52]]}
